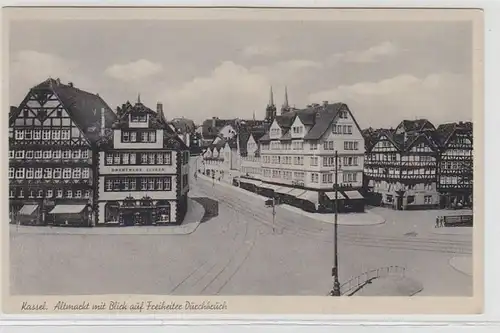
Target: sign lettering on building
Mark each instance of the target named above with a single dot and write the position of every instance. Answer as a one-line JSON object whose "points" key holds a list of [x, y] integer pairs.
{"points": [[138, 169]]}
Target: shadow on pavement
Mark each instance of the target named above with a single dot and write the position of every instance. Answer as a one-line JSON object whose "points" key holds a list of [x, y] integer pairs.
{"points": [[211, 207]]}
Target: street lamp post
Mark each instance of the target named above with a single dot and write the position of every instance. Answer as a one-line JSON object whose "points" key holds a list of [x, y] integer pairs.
{"points": [[335, 270]]}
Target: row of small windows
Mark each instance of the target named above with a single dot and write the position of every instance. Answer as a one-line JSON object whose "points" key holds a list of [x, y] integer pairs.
{"points": [[342, 129], [348, 145], [250, 170], [298, 175], [49, 173], [164, 158], [47, 134], [139, 136], [117, 184], [51, 193], [49, 154], [327, 178]]}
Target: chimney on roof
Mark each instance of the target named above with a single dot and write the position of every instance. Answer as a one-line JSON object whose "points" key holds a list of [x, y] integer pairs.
{"points": [[103, 121], [159, 110], [325, 103], [214, 121], [58, 81], [71, 85]]}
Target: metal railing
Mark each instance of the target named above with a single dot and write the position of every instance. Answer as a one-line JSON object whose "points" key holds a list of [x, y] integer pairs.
{"points": [[355, 283]]}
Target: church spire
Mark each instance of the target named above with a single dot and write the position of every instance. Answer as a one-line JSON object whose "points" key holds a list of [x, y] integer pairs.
{"points": [[285, 107], [271, 108], [271, 97], [138, 97], [285, 103], [254, 115]]}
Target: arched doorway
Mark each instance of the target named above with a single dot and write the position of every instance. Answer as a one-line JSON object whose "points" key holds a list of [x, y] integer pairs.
{"points": [[112, 212], [163, 211], [128, 213], [146, 211]]}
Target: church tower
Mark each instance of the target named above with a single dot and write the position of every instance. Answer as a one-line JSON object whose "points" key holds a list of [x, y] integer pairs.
{"points": [[271, 108], [285, 107]]}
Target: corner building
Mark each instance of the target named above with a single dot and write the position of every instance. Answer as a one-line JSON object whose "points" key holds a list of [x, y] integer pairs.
{"points": [[143, 170]]}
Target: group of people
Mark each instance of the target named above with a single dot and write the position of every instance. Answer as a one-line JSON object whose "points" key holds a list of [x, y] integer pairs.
{"points": [[439, 222]]}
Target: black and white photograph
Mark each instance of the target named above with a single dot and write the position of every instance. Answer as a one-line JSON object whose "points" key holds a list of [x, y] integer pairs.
{"points": [[282, 156]]}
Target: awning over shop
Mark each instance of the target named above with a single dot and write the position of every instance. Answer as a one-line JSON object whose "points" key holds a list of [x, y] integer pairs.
{"points": [[283, 190], [269, 186], [310, 196], [331, 196], [250, 181], [67, 209], [296, 192], [28, 209], [354, 195]]}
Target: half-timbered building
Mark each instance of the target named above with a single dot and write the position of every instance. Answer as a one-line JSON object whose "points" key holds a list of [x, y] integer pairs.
{"points": [[455, 168], [401, 165], [53, 154], [143, 170]]}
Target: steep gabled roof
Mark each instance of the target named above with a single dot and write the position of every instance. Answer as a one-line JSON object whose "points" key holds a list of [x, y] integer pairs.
{"points": [[83, 107], [417, 125], [287, 136], [444, 132], [183, 125], [324, 117], [424, 136], [156, 120]]}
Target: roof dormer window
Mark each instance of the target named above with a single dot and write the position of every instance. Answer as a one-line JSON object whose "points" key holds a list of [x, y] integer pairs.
{"points": [[138, 118]]}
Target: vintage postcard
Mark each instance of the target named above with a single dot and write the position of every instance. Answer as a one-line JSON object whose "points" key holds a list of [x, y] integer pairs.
{"points": [[242, 161]]}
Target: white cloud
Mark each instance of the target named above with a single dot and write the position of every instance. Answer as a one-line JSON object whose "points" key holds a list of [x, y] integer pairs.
{"points": [[439, 97], [269, 50], [134, 71], [373, 54], [232, 90], [229, 91], [29, 68]]}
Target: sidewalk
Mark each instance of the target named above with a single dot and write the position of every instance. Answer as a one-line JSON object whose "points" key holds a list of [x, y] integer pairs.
{"points": [[189, 225], [391, 286], [348, 219], [462, 264], [455, 231]]}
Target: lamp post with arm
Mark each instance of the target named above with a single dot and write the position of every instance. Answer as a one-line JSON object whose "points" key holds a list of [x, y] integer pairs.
{"points": [[335, 271]]}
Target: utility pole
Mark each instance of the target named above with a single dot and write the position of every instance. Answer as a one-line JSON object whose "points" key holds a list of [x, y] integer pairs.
{"points": [[274, 214], [335, 270]]}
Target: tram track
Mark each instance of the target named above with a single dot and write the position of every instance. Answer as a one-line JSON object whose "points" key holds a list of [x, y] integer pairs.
{"points": [[348, 238], [212, 275]]}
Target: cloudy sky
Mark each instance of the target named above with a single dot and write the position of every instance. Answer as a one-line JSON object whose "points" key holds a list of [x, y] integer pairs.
{"points": [[384, 71]]}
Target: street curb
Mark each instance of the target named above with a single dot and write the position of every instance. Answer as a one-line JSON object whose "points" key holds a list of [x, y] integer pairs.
{"points": [[451, 234], [458, 269], [185, 229], [295, 210]]}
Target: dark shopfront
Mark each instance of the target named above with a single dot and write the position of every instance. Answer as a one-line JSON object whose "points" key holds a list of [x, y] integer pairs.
{"points": [[134, 212], [456, 200]]}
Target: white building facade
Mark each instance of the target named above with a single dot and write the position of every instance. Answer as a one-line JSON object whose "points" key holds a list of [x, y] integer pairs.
{"points": [[143, 171]]}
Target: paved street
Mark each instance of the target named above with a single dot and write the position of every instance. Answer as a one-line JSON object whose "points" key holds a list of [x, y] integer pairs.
{"points": [[236, 252]]}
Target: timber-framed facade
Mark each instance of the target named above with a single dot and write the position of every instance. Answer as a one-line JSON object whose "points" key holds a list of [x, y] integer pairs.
{"points": [[416, 166], [53, 137]]}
